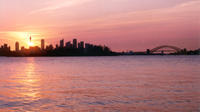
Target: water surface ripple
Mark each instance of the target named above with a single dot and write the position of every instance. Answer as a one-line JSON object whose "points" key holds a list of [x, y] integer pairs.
{"points": [[100, 84]]}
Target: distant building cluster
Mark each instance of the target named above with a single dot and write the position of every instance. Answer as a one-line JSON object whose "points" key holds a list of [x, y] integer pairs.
{"points": [[5, 49], [69, 48]]}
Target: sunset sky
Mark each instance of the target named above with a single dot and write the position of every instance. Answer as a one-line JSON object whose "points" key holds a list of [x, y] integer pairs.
{"points": [[119, 24]]}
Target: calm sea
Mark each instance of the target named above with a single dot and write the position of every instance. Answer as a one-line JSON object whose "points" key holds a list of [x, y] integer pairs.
{"points": [[100, 84]]}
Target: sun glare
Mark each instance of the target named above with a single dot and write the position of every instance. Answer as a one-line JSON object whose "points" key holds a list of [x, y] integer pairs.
{"points": [[30, 44]]}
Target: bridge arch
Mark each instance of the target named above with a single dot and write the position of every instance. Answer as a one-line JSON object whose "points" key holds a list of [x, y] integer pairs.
{"points": [[165, 46]]}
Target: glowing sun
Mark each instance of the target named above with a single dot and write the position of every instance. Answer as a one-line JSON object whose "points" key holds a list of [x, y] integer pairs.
{"points": [[30, 44]]}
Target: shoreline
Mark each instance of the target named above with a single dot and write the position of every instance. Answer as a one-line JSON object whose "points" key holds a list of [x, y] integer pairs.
{"points": [[108, 55]]}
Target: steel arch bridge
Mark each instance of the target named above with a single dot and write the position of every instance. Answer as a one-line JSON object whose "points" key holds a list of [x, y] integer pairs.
{"points": [[156, 49]]}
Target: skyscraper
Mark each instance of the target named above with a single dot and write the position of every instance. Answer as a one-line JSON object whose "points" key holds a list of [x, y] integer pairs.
{"points": [[74, 43], [62, 43], [81, 45], [56, 46], [68, 44], [42, 44], [17, 46]]}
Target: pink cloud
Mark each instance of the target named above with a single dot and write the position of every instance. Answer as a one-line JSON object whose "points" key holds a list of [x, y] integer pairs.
{"points": [[123, 26]]}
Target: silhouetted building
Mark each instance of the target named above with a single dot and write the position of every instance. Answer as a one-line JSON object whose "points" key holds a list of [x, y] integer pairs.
{"points": [[184, 51], [71, 49], [56, 46], [22, 48], [42, 44], [74, 43], [5, 48], [81, 45], [17, 46], [68, 44], [88, 47], [62, 43], [49, 48], [148, 51]]}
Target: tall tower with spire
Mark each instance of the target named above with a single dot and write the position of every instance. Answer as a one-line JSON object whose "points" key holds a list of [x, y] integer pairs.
{"points": [[30, 38]]}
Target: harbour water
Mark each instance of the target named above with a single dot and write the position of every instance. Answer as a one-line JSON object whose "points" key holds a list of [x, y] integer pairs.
{"points": [[100, 84]]}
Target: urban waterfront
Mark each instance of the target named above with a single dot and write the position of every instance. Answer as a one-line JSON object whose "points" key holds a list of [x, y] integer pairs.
{"points": [[81, 48], [96, 84]]}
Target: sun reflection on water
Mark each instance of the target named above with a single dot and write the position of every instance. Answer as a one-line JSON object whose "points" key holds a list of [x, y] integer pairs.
{"points": [[30, 82]]}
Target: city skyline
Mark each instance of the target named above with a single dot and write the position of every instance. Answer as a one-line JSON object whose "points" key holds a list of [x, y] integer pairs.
{"points": [[68, 48], [73, 44], [80, 48], [70, 44], [121, 24]]}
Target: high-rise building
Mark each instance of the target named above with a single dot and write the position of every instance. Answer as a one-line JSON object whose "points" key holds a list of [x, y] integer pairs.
{"points": [[17, 46], [62, 43], [81, 45], [49, 47], [56, 46], [42, 44], [88, 47], [74, 43], [5, 47], [22, 49], [68, 44]]}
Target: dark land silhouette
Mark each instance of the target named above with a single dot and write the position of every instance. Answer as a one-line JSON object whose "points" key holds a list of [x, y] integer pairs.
{"points": [[69, 48], [76, 48]]}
